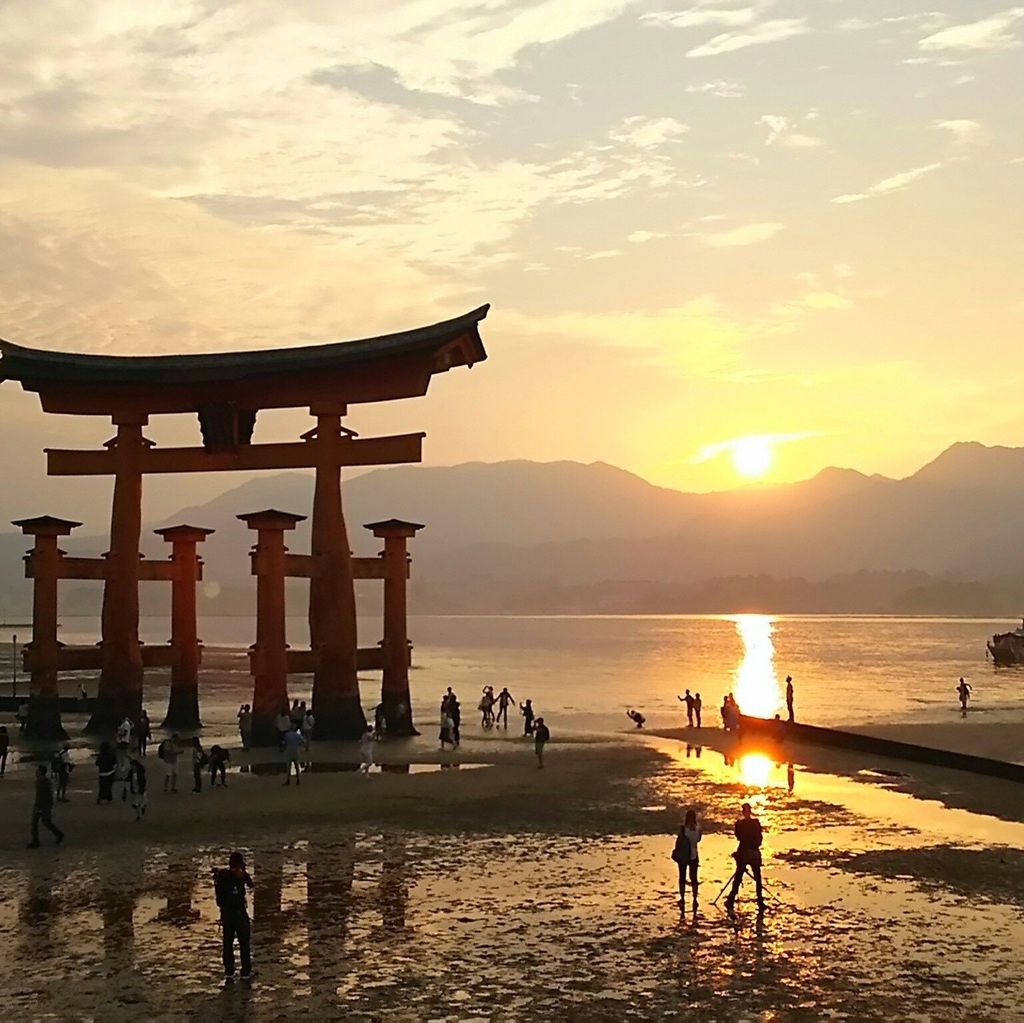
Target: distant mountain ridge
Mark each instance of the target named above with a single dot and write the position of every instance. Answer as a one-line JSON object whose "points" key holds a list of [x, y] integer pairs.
{"points": [[513, 534]]}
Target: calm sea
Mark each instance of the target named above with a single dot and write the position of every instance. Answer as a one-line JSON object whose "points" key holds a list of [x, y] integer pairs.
{"points": [[585, 671]]}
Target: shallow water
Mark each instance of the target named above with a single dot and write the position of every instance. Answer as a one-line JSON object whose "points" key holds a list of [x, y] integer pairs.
{"points": [[396, 925], [584, 671]]}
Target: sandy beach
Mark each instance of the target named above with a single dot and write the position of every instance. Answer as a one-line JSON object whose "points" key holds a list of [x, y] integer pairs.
{"points": [[502, 892]]}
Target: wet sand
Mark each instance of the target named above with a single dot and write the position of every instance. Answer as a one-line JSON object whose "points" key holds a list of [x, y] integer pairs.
{"points": [[507, 893]]}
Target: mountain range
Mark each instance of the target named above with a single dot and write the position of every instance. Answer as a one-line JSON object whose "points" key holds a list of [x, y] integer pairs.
{"points": [[565, 536]]}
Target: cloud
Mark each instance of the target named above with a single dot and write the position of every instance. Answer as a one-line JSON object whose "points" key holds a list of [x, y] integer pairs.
{"points": [[780, 133], [964, 132], [992, 33], [639, 237], [699, 16], [722, 447], [649, 132], [748, 234], [772, 31], [724, 88], [895, 183]]}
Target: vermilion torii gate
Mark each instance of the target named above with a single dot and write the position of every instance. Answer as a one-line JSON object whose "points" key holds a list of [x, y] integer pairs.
{"points": [[226, 392]]}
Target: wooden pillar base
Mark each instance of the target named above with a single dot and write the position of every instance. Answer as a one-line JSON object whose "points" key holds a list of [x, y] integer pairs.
{"points": [[398, 715], [44, 718], [183, 709], [110, 709], [338, 716], [264, 731]]}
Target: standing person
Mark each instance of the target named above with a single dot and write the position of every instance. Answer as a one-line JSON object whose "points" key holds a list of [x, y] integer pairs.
{"points": [[487, 707], [124, 739], [245, 726], [688, 700], [455, 714], [295, 715], [141, 801], [724, 710], [366, 750], [145, 733], [168, 752], [199, 761], [292, 745], [526, 709], [230, 888], [541, 735], [21, 716], [687, 855], [698, 703], [283, 725], [308, 724], [106, 767], [380, 721], [219, 758], [42, 809], [83, 696], [62, 772], [504, 699], [5, 749], [445, 732], [963, 690], [749, 835], [789, 698]]}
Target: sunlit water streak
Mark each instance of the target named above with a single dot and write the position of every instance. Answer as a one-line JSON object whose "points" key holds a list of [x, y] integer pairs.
{"points": [[756, 685]]}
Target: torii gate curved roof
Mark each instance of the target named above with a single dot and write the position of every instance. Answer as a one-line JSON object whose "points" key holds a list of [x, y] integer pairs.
{"points": [[371, 369]]}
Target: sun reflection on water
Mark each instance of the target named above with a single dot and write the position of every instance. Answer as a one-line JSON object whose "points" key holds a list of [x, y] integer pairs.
{"points": [[756, 687], [755, 769]]}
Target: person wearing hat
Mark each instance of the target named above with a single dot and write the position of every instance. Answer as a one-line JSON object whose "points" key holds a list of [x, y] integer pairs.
{"points": [[230, 888]]}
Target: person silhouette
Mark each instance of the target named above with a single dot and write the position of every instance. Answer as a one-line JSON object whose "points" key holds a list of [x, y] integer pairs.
{"points": [[688, 700], [964, 692], [789, 698], [749, 836]]}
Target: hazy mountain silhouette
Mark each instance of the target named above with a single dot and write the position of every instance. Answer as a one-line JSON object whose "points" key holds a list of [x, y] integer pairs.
{"points": [[525, 535]]}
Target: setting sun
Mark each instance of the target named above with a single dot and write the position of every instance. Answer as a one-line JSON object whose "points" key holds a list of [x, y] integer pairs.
{"points": [[752, 456]]}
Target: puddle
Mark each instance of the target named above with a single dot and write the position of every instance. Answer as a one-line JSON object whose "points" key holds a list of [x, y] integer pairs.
{"points": [[346, 767]]}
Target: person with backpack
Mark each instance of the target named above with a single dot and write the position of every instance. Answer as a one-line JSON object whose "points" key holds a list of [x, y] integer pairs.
{"points": [[229, 887], [219, 758], [687, 856], [749, 835], [541, 735], [42, 809], [168, 751]]}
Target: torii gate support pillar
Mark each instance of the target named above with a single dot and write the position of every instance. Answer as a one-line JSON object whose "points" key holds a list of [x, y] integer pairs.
{"points": [[183, 702], [269, 655], [42, 565]]}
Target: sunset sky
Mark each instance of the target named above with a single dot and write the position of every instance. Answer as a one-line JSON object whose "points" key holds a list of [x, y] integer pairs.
{"points": [[695, 222]]}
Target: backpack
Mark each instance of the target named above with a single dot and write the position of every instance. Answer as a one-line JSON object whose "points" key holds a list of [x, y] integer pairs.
{"points": [[161, 750], [223, 888]]}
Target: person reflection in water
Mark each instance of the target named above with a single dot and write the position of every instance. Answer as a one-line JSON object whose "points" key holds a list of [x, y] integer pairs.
{"points": [[230, 889], [687, 856]]}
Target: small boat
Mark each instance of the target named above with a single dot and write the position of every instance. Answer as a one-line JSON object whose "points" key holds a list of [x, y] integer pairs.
{"points": [[1008, 647]]}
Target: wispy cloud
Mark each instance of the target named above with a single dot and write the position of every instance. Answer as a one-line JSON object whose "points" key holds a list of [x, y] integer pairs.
{"points": [[748, 234], [649, 132], [724, 88], [991, 33], [699, 16], [773, 30], [781, 133], [722, 447], [964, 132], [895, 183]]}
